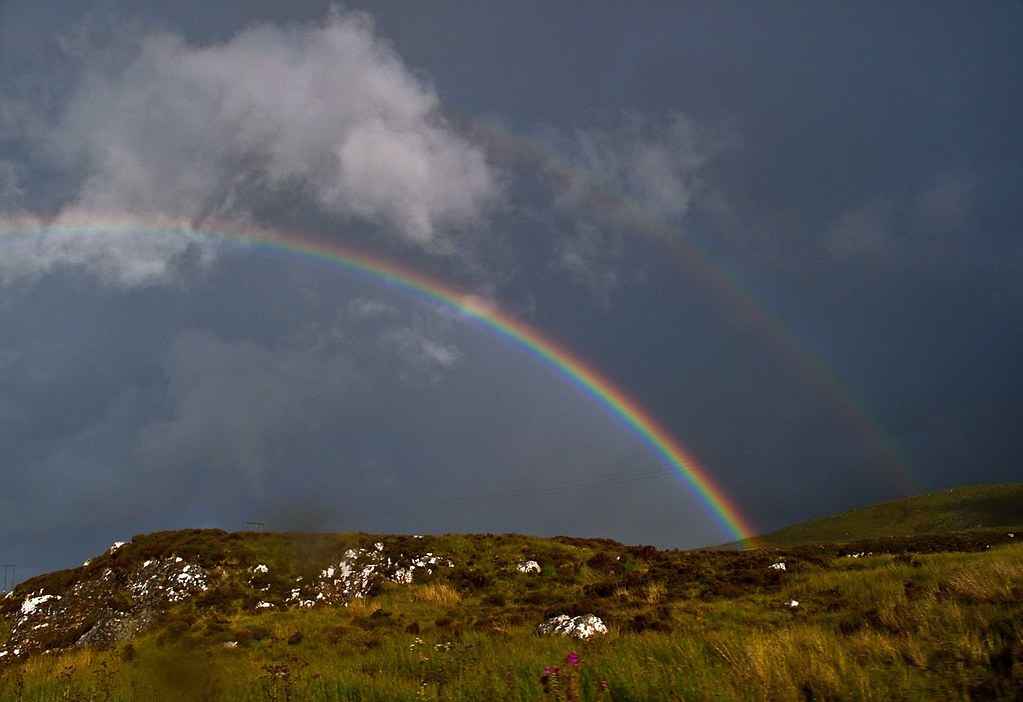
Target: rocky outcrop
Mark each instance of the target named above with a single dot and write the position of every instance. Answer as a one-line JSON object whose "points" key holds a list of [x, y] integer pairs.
{"points": [[581, 627], [110, 600], [358, 572], [113, 606]]}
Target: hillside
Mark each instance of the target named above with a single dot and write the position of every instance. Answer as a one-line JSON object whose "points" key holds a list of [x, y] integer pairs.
{"points": [[942, 512], [211, 615]]}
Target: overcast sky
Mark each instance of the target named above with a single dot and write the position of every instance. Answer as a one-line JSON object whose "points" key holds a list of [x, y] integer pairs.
{"points": [[791, 232]]}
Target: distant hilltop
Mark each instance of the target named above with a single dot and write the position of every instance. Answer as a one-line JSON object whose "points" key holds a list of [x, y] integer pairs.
{"points": [[939, 512]]}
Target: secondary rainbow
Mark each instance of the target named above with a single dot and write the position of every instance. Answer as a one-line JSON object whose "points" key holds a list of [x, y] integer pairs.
{"points": [[727, 287], [475, 308]]}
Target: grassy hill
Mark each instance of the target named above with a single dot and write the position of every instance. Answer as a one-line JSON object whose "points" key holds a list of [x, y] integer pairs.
{"points": [[211, 615], [942, 512]]}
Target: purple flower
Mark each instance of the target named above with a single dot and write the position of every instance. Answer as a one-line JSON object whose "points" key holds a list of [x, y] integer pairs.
{"points": [[572, 658], [549, 670]]}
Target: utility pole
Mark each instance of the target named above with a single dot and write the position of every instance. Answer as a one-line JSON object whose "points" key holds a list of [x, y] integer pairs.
{"points": [[9, 572]]}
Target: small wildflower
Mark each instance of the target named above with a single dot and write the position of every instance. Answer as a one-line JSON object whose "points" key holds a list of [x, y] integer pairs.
{"points": [[572, 658], [549, 670]]}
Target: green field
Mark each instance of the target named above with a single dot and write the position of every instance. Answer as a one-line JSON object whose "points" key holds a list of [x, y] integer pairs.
{"points": [[923, 616]]}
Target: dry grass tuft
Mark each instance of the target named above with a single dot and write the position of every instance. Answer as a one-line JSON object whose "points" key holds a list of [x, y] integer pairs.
{"points": [[655, 592], [362, 607], [436, 594]]}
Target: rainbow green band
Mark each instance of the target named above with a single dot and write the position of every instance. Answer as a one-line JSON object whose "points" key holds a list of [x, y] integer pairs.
{"points": [[570, 366]]}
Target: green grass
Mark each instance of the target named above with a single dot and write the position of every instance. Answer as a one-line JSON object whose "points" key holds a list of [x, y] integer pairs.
{"points": [[954, 510]]}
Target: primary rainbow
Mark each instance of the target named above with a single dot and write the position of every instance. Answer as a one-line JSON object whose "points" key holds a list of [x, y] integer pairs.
{"points": [[565, 363]]}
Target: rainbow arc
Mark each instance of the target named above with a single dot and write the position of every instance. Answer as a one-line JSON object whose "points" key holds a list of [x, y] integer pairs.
{"points": [[476, 309]]}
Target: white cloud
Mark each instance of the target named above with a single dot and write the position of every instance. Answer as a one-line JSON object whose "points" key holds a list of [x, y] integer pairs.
{"points": [[145, 255], [364, 308], [156, 126], [421, 357]]}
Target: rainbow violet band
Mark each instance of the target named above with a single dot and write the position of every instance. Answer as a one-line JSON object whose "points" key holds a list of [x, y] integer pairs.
{"points": [[472, 307]]}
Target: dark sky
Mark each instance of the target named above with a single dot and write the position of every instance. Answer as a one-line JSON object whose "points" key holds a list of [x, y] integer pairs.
{"points": [[791, 232]]}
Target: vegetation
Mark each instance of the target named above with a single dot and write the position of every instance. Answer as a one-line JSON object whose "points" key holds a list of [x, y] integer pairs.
{"points": [[925, 617], [957, 509]]}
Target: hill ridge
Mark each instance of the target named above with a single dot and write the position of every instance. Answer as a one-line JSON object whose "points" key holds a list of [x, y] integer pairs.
{"points": [[954, 509]]}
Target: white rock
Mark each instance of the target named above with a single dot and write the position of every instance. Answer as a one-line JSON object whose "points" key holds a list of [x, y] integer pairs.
{"points": [[777, 566], [581, 627], [30, 603], [528, 567]]}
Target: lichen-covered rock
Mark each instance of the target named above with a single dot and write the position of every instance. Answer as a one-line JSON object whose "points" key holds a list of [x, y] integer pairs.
{"points": [[528, 567], [358, 572], [102, 609], [583, 626]]}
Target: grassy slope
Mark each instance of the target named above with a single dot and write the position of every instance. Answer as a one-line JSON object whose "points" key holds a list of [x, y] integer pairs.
{"points": [[958, 509], [943, 623], [709, 625]]}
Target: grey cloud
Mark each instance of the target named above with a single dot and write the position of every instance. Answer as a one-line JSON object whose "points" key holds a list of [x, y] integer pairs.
{"points": [[12, 196], [331, 108], [866, 230], [592, 258], [231, 402], [945, 206], [931, 226], [652, 165], [654, 162], [157, 126]]}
